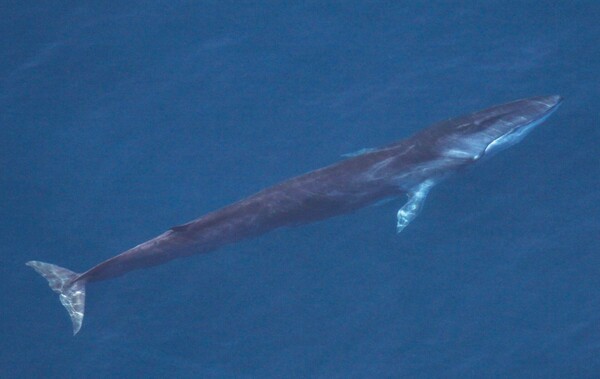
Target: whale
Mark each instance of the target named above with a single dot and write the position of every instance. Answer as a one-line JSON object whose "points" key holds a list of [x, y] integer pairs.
{"points": [[406, 169]]}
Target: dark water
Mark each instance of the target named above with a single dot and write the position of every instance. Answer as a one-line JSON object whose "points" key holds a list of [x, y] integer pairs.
{"points": [[117, 122]]}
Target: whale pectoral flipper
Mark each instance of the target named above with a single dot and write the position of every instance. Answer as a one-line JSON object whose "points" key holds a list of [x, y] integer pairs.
{"points": [[362, 151], [412, 208], [70, 291]]}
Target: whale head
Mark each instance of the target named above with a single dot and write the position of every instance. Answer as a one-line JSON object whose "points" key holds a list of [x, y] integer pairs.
{"points": [[494, 129]]}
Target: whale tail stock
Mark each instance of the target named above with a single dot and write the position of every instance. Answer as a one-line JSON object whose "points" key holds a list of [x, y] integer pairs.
{"points": [[71, 291]]}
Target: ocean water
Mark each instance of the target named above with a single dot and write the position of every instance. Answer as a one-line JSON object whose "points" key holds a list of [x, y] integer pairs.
{"points": [[118, 121]]}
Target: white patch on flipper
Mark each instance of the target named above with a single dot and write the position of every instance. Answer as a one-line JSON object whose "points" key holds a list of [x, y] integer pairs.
{"points": [[413, 206]]}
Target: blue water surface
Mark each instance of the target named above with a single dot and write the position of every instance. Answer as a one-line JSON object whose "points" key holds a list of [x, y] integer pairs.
{"points": [[119, 120]]}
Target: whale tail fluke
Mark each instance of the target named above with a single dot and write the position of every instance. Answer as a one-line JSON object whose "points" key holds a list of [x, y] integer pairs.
{"points": [[71, 292]]}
